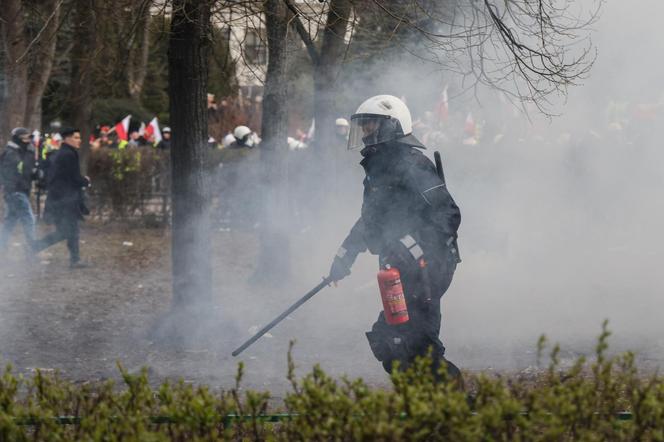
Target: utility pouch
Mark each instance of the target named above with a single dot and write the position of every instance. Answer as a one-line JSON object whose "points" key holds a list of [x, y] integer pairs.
{"points": [[379, 346]]}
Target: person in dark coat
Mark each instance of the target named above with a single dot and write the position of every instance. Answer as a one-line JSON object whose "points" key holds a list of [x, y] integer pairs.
{"points": [[165, 143], [17, 171], [410, 221], [65, 205]]}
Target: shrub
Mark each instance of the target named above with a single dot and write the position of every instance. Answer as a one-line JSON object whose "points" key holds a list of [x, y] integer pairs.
{"points": [[125, 181], [579, 403]]}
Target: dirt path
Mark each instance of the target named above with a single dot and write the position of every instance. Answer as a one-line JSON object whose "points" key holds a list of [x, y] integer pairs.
{"points": [[80, 322]]}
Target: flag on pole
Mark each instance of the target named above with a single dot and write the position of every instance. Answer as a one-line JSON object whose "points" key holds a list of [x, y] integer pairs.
{"points": [[443, 109], [152, 130], [122, 128], [469, 126]]}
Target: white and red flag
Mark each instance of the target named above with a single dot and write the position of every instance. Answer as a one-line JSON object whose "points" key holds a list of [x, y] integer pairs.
{"points": [[469, 127], [122, 128], [442, 107], [152, 130]]}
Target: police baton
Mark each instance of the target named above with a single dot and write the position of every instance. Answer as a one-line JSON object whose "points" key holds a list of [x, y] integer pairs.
{"points": [[278, 319]]}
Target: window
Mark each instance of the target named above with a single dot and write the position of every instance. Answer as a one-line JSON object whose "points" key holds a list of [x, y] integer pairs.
{"points": [[255, 50]]}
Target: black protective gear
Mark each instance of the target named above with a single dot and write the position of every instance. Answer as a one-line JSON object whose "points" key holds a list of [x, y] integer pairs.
{"points": [[339, 269], [403, 253], [418, 336], [403, 195], [410, 220]]}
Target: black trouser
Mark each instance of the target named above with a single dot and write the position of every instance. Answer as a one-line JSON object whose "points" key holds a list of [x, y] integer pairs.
{"points": [[404, 342], [66, 228]]}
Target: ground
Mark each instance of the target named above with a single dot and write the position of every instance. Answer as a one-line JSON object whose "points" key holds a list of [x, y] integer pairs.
{"points": [[82, 322], [531, 265]]}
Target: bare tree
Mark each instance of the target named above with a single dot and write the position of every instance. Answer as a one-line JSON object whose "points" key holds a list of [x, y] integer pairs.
{"points": [[531, 50], [28, 59], [187, 67], [274, 259], [138, 51], [82, 62], [326, 61]]}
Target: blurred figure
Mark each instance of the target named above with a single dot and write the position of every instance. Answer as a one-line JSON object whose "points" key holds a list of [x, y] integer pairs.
{"points": [[103, 140], [65, 204], [50, 147], [211, 103], [244, 137], [165, 143], [17, 171], [239, 166], [113, 142], [55, 141], [294, 144], [134, 140], [341, 129]]}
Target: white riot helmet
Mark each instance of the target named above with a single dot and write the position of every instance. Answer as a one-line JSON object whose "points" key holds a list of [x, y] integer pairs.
{"points": [[227, 140], [381, 119], [243, 136], [342, 122]]}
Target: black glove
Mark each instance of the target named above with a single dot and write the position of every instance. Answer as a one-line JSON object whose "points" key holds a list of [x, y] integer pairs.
{"points": [[340, 266]]}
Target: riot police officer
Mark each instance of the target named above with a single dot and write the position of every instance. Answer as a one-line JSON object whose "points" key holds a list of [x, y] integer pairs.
{"points": [[410, 221]]}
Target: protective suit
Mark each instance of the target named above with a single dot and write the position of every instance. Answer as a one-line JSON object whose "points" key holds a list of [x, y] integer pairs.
{"points": [[410, 221]]}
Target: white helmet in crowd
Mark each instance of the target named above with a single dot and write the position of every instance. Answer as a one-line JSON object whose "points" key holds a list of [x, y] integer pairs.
{"points": [[243, 136], [381, 119], [294, 144], [228, 140], [341, 122]]}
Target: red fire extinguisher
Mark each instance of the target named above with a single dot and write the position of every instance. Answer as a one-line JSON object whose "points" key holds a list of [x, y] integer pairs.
{"points": [[391, 293]]}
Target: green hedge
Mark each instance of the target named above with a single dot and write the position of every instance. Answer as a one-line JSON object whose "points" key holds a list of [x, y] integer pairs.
{"points": [[124, 180], [580, 403]]}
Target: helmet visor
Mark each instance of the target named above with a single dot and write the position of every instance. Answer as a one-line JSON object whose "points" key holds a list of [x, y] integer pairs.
{"points": [[365, 130]]}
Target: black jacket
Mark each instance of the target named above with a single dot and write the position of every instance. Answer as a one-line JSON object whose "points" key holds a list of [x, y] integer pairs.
{"points": [[17, 168], [65, 183], [403, 195], [164, 144]]}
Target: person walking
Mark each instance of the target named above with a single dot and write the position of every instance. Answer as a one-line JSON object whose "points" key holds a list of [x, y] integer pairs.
{"points": [[65, 205], [17, 171]]}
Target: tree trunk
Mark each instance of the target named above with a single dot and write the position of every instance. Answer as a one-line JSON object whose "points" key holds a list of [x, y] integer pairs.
{"points": [[274, 259], [81, 75], [12, 26], [188, 76], [326, 73], [326, 79], [42, 64]]}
